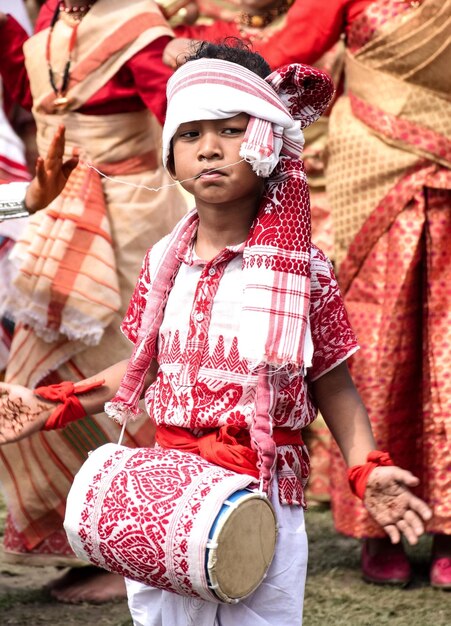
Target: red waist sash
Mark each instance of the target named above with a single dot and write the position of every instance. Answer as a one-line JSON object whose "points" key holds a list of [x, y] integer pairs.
{"points": [[227, 446]]}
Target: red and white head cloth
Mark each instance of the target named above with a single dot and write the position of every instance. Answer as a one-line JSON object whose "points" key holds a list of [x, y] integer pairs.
{"points": [[212, 89], [276, 260]]}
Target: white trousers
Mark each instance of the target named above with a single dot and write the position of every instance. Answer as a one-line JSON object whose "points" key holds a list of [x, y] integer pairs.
{"points": [[278, 601]]}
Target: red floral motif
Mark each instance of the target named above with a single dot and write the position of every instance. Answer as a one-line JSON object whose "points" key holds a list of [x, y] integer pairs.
{"points": [[236, 418], [305, 91], [219, 392], [133, 317], [149, 515]]}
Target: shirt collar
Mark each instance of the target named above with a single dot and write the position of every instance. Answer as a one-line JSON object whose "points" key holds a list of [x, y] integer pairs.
{"points": [[186, 254]]}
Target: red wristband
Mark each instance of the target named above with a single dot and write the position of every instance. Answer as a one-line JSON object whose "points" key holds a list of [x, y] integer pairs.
{"points": [[358, 474], [70, 408]]}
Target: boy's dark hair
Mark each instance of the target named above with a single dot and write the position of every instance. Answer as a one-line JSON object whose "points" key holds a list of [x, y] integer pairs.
{"points": [[234, 50]]}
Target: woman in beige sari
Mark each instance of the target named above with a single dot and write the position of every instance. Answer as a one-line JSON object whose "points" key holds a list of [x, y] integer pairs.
{"points": [[389, 184], [78, 261]]}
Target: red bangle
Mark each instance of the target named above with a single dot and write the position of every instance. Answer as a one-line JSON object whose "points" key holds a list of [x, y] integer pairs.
{"points": [[358, 474], [70, 408]]}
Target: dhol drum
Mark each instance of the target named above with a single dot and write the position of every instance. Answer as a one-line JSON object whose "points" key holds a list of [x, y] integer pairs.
{"points": [[171, 520]]}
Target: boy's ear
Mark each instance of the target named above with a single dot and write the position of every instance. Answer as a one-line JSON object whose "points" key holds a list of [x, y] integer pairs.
{"points": [[171, 169], [170, 165]]}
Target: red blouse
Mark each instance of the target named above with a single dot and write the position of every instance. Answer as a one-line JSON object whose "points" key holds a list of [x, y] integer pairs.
{"points": [[140, 83], [311, 28]]}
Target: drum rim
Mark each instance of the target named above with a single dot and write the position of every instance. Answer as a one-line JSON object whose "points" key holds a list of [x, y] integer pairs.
{"points": [[211, 552]]}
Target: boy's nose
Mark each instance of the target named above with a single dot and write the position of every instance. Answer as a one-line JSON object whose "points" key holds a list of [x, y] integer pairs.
{"points": [[209, 148]]}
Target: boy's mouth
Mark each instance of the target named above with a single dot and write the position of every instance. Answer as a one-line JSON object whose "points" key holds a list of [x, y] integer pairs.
{"points": [[210, 172]]}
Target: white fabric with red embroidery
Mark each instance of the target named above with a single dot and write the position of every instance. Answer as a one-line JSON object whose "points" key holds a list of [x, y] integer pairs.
{"points": [[275, 267], [203, 379], [146, 513]]}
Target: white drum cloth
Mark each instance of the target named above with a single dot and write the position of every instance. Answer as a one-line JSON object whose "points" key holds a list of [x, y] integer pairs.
{"points": [[278, 601], [150, 515]]}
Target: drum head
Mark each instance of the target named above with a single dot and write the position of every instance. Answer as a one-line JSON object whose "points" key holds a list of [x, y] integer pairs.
{"points": [[246, 543]]}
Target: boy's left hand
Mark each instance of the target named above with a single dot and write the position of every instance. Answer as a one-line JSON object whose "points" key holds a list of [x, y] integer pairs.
{"points": [[52, 174], [391, 503]]}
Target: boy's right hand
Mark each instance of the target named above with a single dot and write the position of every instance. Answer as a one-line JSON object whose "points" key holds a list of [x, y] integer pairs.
{"points": [[52, 174], [22, 413]]}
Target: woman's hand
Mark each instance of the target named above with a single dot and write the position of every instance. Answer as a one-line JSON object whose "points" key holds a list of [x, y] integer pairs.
{"points": [[22, 413], [391, 503], [177, 50], [52, 174]]}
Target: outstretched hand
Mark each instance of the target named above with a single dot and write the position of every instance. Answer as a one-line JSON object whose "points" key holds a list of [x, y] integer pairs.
{"points": [[391, 503], [52, 174], [21, 412]]}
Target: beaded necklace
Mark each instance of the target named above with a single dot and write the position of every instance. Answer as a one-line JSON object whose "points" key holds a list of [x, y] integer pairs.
{"points": [[77, 13]]}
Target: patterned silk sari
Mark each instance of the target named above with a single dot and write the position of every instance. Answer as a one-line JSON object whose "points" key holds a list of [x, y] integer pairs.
{"points": [[389, 184]]}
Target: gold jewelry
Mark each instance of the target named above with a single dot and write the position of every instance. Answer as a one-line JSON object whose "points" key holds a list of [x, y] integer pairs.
{"points": [[260, 20], [74, 13], [61, 101]]}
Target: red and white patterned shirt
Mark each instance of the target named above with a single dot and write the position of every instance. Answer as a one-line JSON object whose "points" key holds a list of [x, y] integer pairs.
{"points": [[202, 380]]}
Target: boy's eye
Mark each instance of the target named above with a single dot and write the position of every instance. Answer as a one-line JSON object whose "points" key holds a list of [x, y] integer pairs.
{"points": [[188, 134], [233, 131]]}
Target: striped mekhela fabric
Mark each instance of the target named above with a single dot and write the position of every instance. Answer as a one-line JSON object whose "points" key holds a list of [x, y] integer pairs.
{"points": [[66, 283]]}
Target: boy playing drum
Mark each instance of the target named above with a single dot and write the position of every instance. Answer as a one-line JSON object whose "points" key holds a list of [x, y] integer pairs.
{"points": [[238, 326]]}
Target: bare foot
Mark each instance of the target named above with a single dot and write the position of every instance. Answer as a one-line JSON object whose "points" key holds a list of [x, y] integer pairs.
{"points": [[88, 584]]}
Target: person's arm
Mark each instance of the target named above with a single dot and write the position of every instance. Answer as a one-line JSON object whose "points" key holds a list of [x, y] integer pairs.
{"points": [[387, 495], [52, 174], [151, 75], [24, 412], [309, 30], [385, 490], [12, 61], [344, 413]]}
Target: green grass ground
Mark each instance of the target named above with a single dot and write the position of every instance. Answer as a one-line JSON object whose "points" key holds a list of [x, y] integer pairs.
{"points": [[335, 594]]}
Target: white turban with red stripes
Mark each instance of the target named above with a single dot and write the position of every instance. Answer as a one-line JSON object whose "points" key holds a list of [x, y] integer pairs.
{"points": [[210, 89]]}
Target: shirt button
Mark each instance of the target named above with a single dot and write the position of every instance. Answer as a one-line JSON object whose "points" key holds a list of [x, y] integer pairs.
{"points": [[212, 271], [199, 317]]}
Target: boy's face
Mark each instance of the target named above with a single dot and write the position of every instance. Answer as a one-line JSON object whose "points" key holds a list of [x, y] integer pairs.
{"points": [[201, 146]]}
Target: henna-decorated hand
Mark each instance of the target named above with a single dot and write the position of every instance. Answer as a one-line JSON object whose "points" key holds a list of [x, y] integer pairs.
{"points": [[391, 503], [21, 412]]}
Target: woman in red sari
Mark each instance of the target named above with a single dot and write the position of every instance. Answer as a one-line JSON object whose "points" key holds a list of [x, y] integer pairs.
{"points": [[389, 184]]}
